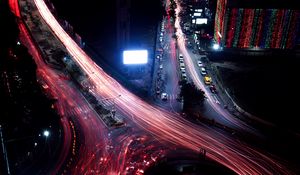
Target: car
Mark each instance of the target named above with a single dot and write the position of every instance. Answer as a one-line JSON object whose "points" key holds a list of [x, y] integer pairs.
{"points": [[203, 57], [203, 71], [183, 71], [182, 66], [180, 56], [164, 96], [207, 80], [213, 89], [184, 76], [200, 64], [160, 39], [159, 57], [161, 66]]}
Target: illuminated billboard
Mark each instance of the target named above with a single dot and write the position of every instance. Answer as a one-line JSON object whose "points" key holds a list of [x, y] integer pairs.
{"points": [[135, 57]]}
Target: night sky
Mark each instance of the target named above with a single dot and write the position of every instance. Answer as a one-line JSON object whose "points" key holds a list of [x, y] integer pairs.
{"points": [[97, 23]]}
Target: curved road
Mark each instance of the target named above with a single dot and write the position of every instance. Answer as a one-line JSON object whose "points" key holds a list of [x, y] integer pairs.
{"points": [[199, 83], [163, 125]]}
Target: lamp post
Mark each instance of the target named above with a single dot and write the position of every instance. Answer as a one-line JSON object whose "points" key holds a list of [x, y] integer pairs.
{"points": [[4, 151], [46, 134]]}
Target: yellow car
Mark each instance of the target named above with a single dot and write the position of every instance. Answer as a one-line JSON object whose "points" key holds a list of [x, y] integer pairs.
{"points": [[207, 80]]}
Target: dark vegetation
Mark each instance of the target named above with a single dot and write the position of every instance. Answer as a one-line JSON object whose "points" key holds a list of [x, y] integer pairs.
{"points": [[191, 95], [25, 111]]}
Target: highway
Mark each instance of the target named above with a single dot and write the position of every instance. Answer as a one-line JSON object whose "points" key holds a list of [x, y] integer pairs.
{"points": [[166, 127]]}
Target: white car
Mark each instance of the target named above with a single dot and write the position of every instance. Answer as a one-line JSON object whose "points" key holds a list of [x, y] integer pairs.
{"points": [[180, 56], [182, 66], [164, 96], [200, 64], [184, 76], [203, 71]]}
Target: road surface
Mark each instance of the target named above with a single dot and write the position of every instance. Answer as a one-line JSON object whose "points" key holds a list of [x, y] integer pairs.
{"points": [[164, 126]]}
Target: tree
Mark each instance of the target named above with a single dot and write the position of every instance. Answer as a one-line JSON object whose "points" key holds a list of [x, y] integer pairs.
{"points": [[191, 95]]}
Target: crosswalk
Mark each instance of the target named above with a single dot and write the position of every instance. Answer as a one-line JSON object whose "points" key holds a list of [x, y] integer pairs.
{"points": [[172, 96], [107, 103]]}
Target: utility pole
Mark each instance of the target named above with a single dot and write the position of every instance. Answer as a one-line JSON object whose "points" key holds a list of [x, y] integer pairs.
{"points": [[4, 151], [202, 153]]}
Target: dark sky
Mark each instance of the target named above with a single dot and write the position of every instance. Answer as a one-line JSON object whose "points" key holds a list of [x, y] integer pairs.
{"points": [[95, 21], [92, 21]]}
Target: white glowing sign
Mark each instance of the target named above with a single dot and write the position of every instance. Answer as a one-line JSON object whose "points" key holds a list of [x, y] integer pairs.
{"points": [[197, 14], [201, 21], [135, 57]]}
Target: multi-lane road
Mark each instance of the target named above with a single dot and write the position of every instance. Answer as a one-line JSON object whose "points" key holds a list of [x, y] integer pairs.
{"points": [[104, 151], [212, 99], [166, 75]]}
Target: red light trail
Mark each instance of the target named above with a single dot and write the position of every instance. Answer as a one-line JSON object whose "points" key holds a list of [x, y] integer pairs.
{"points": [[94, 158], [195, 77]]}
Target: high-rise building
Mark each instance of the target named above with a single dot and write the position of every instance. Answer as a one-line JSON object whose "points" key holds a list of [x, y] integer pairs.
{"points": [[257, 24], [123, 24]]}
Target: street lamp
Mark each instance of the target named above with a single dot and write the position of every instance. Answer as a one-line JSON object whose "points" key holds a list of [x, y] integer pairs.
{"points": [[4, 151], [46, 133], [216, 46]]}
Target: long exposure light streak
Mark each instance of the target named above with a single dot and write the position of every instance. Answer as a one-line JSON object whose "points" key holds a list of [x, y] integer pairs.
{"points": [[163, 124], [195, 77], [94, 133]]}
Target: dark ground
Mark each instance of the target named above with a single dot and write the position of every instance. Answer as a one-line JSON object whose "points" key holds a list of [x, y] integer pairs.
{"points": [[25, 111], [267, 87]]}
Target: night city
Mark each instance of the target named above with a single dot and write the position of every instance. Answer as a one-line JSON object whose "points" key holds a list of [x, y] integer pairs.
{"points": [[154, 87]]}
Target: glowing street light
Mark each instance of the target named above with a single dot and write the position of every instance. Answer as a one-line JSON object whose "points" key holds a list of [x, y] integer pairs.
{"points": [[46, 133], [216, 46]]}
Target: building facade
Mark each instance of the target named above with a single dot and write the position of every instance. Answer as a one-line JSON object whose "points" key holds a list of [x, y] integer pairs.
{"points": [[256, 25], [123, 23]]}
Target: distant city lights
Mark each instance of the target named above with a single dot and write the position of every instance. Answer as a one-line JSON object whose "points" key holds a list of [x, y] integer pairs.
{"points": [[201, 21]]}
